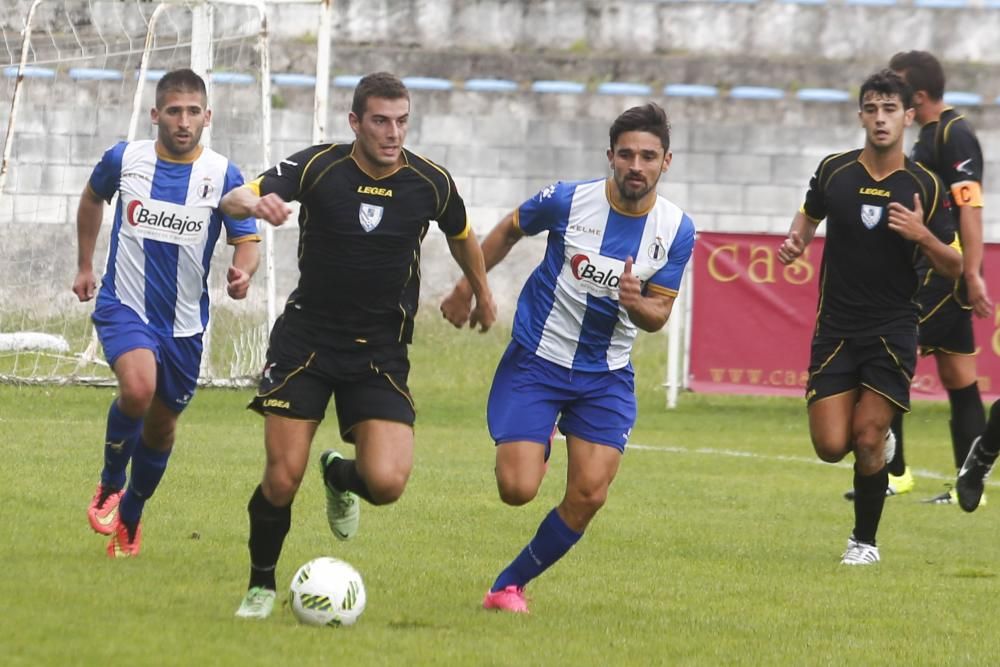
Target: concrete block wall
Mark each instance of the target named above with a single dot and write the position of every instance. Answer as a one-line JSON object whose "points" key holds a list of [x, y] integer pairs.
{"points": [[737, 165]]}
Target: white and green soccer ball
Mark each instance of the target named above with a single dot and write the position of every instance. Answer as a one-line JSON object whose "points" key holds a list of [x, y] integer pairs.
{"points": [[327, 591]]}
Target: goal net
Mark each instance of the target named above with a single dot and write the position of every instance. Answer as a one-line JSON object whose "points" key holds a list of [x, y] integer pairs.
{"points": [[81, 76]]}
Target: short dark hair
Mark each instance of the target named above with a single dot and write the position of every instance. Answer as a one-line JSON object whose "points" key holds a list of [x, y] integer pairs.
{"points": [[921, 70], [648, 118], [180, 81], [380, 84], [888, 83]]}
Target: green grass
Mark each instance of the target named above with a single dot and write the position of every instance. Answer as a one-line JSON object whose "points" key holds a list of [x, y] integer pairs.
{"points": [[702, 556]]}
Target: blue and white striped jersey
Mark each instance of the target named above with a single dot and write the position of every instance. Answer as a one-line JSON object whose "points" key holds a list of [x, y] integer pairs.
{"points": [[568, 311], [166, 224]]}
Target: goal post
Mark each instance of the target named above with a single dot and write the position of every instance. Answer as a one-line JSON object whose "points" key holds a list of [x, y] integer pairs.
{"points": [[84, 78]]}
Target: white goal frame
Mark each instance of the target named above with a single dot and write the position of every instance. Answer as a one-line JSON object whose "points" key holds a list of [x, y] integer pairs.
{"points": [[201, 45]]}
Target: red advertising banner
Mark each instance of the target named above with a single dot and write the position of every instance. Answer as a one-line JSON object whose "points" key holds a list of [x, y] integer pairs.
{"points": [[752, 320]]}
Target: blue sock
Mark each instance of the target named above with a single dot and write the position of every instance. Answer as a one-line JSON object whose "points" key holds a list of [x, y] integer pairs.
{"points": [[148, 466], [553, 539], [119, 442]]}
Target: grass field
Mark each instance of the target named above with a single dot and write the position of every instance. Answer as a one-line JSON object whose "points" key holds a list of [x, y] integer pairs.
{"points": [[719, 544]]}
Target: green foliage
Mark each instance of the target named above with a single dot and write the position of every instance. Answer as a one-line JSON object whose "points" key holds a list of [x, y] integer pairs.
{"points": [[719, 543]]}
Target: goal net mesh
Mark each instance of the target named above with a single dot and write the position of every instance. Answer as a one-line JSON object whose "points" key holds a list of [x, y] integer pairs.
{"points": [[75, 100]]}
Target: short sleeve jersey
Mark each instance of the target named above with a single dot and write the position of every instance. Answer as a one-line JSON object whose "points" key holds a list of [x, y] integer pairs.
{"points": [[166, 224], [868, 278], [568, 311], [359, 240], [950, 149]]}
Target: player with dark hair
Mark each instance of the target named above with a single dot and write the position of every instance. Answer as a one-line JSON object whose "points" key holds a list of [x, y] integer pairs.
{"points": [[864, 344], [153, 304], [366, 207], [948, 146], [613, 263]]}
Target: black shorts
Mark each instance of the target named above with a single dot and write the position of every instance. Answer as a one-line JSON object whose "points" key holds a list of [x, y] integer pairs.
{"points": [[947, 327], [366, 381], [884, 364]]}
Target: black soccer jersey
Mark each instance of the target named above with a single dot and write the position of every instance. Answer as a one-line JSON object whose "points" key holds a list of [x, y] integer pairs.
{"points": [[950, 149], [868, 278], [359, 240]]}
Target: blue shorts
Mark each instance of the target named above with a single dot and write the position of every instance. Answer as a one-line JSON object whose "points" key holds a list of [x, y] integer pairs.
{"points": [[178, 360], [530, 393]]}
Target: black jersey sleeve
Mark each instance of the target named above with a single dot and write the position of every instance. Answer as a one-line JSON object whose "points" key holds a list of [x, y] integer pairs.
{"points": [[937, 211], [814, 205], [287, 178], [961, 156], [453, 218]]}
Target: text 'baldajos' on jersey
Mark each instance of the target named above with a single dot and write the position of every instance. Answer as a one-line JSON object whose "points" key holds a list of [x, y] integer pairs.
{"points": [[359, 240], [568, 311], [166, 224], [868, 278]]}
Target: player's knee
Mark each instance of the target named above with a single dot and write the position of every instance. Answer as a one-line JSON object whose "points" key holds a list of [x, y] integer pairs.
{"points": [[387, 488], [516, 489], [280, 486], [136, 395], [868, 441], [516, 494], [586, 502], [830, 451], [159, 436]]}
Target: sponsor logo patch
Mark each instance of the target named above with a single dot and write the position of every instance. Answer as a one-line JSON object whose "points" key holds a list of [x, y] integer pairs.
{"points": [[598, 277], [372, 190], [170, 223]]}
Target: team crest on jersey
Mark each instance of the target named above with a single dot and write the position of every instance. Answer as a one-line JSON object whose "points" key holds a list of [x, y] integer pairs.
{"points": [[656, 250], [206, 188], [870, 215], [369, 215]]}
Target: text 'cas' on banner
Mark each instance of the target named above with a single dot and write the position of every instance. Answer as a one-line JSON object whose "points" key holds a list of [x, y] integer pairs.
{"points": [[752, 320]]}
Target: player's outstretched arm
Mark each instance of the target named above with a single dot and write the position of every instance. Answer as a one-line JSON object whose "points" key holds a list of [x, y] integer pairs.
{"points": [[246, 257], [243, 202], [649, 312], [457, 306], [88, 223], [800, 235], [909, 223]]}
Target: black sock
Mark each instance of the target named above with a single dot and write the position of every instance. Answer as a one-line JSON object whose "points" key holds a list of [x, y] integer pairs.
{"points": [[968, 420], [897, 466], [991, 436], [869, 499], [268, 527], [343, 474]]}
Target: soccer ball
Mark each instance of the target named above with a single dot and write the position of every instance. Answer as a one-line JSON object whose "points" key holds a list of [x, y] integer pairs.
{"points": [[327, 591]]}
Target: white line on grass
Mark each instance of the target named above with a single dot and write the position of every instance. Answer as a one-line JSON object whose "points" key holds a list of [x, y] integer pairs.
{"points": [[735, 453]]}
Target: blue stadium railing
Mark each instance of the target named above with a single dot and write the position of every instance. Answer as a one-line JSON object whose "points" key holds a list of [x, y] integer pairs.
{"points": [[488, 85]]}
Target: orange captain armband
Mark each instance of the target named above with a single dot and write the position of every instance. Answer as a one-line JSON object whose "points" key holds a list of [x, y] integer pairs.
{"points": [[967, 193]]}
